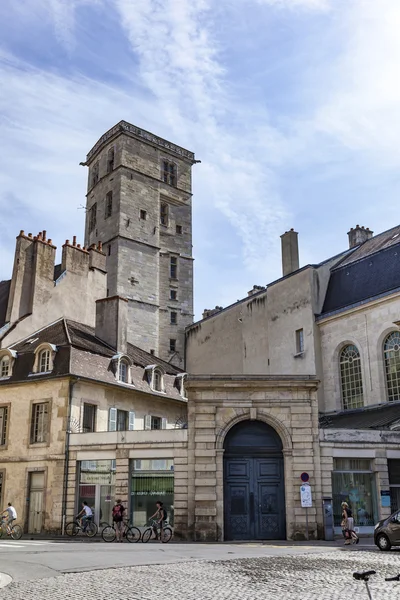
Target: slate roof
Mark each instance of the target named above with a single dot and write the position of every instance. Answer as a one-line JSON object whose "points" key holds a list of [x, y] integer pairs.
{"points": [[4, 293], [381, 241], [66, 332], [380, 417], [365, 275]]}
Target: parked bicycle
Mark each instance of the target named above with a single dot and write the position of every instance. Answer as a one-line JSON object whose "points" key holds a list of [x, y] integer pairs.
{"points": [[88, 527], [15, 532], [132, 534], [365, 576], [152, 532]]}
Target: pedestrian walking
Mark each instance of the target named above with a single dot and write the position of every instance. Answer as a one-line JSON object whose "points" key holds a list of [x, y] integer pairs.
{"points": [[348, 525], [118, 516]]}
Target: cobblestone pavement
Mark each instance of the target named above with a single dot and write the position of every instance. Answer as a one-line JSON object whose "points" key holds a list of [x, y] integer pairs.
{"points": [[311, 577]]}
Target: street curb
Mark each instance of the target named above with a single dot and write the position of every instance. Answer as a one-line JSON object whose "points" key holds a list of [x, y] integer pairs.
{"points": [[5, 580]]}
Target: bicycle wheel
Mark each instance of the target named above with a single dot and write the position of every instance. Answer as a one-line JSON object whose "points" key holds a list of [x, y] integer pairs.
{"points": [[72, 528], [109, 534], [167, 535], [16, 532], [91, 529], [132, 534], [147, 535]]}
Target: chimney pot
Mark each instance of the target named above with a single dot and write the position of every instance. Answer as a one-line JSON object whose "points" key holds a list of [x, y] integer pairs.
{"points": [[44, 235], [74, 240], [50, 241], [21, 232], [78, 246], [29, 235], [100, 246]]}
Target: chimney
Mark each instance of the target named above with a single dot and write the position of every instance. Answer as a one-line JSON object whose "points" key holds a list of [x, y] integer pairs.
{"points": [[97, 258], [290, 252], [209, 312], [359, 235], [112, 322], [255, 290]]}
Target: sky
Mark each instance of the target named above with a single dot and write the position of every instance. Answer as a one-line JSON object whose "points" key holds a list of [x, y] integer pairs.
{"points": [[292, 106]]}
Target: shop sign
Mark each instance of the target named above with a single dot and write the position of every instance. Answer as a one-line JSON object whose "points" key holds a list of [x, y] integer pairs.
{"points": [[385, 498], [93, 478]]}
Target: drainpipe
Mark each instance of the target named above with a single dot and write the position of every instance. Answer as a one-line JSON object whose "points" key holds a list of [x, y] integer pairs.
{"points": [[66, 456]]}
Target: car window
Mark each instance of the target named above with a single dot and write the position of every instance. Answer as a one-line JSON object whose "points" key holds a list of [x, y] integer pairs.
{"points": [[396, 517]]}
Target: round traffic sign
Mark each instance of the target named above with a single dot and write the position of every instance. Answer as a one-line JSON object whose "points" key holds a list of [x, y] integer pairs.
{"points": [[304, 477]]}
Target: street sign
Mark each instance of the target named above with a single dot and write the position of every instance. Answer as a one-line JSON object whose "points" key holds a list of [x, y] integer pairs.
{"points": [[305, 496], [304, 477]]}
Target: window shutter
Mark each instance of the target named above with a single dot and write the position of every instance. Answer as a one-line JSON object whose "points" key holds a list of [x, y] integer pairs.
{"points": [[147, 422], [112, 420], [163, 423], [131, 420]]}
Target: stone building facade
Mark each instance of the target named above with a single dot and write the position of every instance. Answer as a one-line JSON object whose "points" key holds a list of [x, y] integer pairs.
{"points": [[336, 322], [139, 204]]}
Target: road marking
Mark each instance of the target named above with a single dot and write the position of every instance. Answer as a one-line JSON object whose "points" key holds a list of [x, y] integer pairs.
{"points": [[10, 545]]}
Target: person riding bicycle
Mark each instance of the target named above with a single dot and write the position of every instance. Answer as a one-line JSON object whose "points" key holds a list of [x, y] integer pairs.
{"points": [[86, 513], [161, 516], [10, 516], [118, 516]]}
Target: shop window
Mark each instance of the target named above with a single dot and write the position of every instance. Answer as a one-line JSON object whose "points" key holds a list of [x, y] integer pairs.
{"points": [[97, 488], [351, 378], [40, 423], [121, 420], [353, 482], [152, 480], [394, 484], [89, 417], [391, 352], [3, 425]]}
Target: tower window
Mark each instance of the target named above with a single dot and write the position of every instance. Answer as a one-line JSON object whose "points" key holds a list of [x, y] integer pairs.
{"points": [[110, 160], [172, 345], [179, 229], [172, 294], [95, 173], [169, 173], [109, 201], [173, 267], [92, 217], [174, 318], [109, 249], [164, 210], [143, 215]]}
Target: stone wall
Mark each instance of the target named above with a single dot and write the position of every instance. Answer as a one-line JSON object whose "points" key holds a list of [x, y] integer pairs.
{"points": [[366, 326], [19, 457]]}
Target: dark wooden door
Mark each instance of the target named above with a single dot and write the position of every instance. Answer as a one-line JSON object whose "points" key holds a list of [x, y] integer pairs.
{"points": [[254, 498]]}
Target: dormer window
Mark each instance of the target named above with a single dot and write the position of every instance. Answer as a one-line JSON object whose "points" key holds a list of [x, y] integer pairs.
{"points": [[7, 358], [44, 359], [5, 366], [123, 372], [155, 377]]}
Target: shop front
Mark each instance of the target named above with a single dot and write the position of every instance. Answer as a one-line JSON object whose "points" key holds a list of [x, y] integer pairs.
{"points": [[97, 487], [151, 480], [353, 481]]}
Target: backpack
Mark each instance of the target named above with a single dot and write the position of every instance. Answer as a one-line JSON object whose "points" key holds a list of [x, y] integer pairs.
{"points": [[117, 512]]}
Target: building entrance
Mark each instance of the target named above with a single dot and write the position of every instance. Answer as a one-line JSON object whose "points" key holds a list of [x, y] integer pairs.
{"points": [[254, 493]]}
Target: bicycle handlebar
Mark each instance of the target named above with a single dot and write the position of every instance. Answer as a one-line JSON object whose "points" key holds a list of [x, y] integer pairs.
{"points": [[395, 578]]}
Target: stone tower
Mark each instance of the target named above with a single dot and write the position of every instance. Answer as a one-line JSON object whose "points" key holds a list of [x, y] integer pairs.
{"points": [[139, 204]]}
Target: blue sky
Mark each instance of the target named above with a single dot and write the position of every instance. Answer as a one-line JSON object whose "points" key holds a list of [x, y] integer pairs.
{"points": [[291, 105]]}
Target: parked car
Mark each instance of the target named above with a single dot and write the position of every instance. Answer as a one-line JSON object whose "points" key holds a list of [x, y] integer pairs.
{"points": [[387, 532]]}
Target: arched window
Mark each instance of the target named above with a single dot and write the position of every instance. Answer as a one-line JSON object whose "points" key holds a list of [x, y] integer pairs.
{"points": [[5, 365], [351, 378], [391, 352], [123, 371], [44, 361]]}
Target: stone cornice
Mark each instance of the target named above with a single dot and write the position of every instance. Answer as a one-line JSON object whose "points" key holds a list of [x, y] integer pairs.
{"points": [[142, 134], [253, 382]]}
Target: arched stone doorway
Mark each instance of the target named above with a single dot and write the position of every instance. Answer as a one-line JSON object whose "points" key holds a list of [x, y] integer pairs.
{"points": [[254, 491]]}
